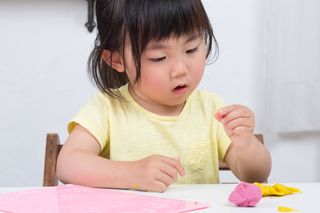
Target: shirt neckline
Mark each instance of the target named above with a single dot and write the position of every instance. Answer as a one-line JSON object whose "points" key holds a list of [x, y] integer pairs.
{"points": [[126, 94]]}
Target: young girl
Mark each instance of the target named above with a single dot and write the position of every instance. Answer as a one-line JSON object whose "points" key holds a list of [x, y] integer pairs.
{"points": [[148, 128]]}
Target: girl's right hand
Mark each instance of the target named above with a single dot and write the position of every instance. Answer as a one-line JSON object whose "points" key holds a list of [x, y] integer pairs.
{"points": [[155, 173]]}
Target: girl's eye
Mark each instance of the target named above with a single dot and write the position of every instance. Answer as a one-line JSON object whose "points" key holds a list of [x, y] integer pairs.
{"points": [[192, 50], [158, 59]]}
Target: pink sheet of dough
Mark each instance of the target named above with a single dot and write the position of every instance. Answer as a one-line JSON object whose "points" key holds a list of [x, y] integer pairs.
{"points": [[72, 198], [35, 200], [245, 195]]}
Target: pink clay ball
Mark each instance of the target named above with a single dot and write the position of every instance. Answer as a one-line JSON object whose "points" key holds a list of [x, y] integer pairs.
{"points": [[245, 195]]}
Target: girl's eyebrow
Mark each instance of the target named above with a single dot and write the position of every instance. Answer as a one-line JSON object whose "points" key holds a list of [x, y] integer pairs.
{"points": [[160, 45], [192, 38]]}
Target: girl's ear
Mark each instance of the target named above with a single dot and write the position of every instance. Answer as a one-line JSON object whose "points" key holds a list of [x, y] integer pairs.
{"points": [[116, 63]]}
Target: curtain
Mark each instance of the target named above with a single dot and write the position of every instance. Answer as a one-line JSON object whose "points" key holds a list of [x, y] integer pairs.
{"points": [[293, 66]]}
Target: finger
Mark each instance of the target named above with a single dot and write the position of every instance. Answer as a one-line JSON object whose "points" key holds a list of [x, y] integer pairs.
{"points": [[246, 122], [229, 132], [158, 186], [175, 164], [164, 178], [223, 111], [218, 115], [238, 113], [242, 130], [169, 170]]}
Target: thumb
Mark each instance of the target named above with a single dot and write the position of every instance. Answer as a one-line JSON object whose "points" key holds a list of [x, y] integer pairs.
{"points": [[218, 115]]}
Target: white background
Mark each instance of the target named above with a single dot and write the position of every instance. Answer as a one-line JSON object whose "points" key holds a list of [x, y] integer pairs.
{"points": [[44, 48]]}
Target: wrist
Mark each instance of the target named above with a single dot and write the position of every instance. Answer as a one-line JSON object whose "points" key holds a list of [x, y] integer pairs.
{"points": [[242, 142], [126, 175]]}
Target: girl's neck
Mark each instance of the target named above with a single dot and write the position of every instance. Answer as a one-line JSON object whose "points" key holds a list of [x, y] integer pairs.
{"points": [[154, 107]]}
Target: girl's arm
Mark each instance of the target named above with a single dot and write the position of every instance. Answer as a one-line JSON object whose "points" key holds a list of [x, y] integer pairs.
{"points": [[247, 158], [79, 163], [250, 162]]}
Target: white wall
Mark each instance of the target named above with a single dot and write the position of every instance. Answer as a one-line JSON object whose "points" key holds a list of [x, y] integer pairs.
{"points": [[43, 53], [239, 76]]}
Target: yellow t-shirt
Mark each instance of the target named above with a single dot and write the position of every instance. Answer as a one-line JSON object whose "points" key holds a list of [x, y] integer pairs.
{"points": [[127, 132]]}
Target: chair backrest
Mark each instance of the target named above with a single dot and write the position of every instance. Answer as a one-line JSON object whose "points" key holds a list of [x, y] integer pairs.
{"points": [[224, 166], [53, 148]]}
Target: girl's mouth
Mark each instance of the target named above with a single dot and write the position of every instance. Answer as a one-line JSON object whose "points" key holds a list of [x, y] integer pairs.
{"points": [[181, 89]]}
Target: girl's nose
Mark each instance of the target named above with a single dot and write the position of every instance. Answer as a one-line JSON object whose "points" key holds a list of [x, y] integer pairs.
{"points": [[179, 68]]}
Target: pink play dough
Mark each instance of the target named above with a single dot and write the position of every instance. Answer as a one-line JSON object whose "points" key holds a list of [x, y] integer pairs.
{"points": [[245, 195]]}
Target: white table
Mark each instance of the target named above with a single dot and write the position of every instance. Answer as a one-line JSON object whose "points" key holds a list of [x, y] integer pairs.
{"points": [[217, 196]]}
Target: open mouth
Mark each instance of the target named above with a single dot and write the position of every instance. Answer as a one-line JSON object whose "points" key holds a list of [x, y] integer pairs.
{"points": [[180, 89]]}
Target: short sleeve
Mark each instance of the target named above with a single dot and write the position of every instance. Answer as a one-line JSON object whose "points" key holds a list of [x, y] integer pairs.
{"points": [[94, 117]]}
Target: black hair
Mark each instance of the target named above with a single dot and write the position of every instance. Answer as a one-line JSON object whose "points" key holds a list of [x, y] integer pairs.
{"points": [[139, 22]]}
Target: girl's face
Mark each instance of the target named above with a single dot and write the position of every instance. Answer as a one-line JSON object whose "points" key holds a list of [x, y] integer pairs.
{"points": [[170, 71]]}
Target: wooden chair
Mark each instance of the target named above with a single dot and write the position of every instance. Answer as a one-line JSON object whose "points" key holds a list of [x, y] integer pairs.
{"points": [[53, 148], [224, 166]]}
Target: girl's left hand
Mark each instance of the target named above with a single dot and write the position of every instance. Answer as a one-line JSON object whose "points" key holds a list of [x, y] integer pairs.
{"points": [[238, 122]]}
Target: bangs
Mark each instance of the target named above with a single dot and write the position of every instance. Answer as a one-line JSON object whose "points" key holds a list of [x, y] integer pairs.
{"points": [[135, 23], [161, 19]]}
